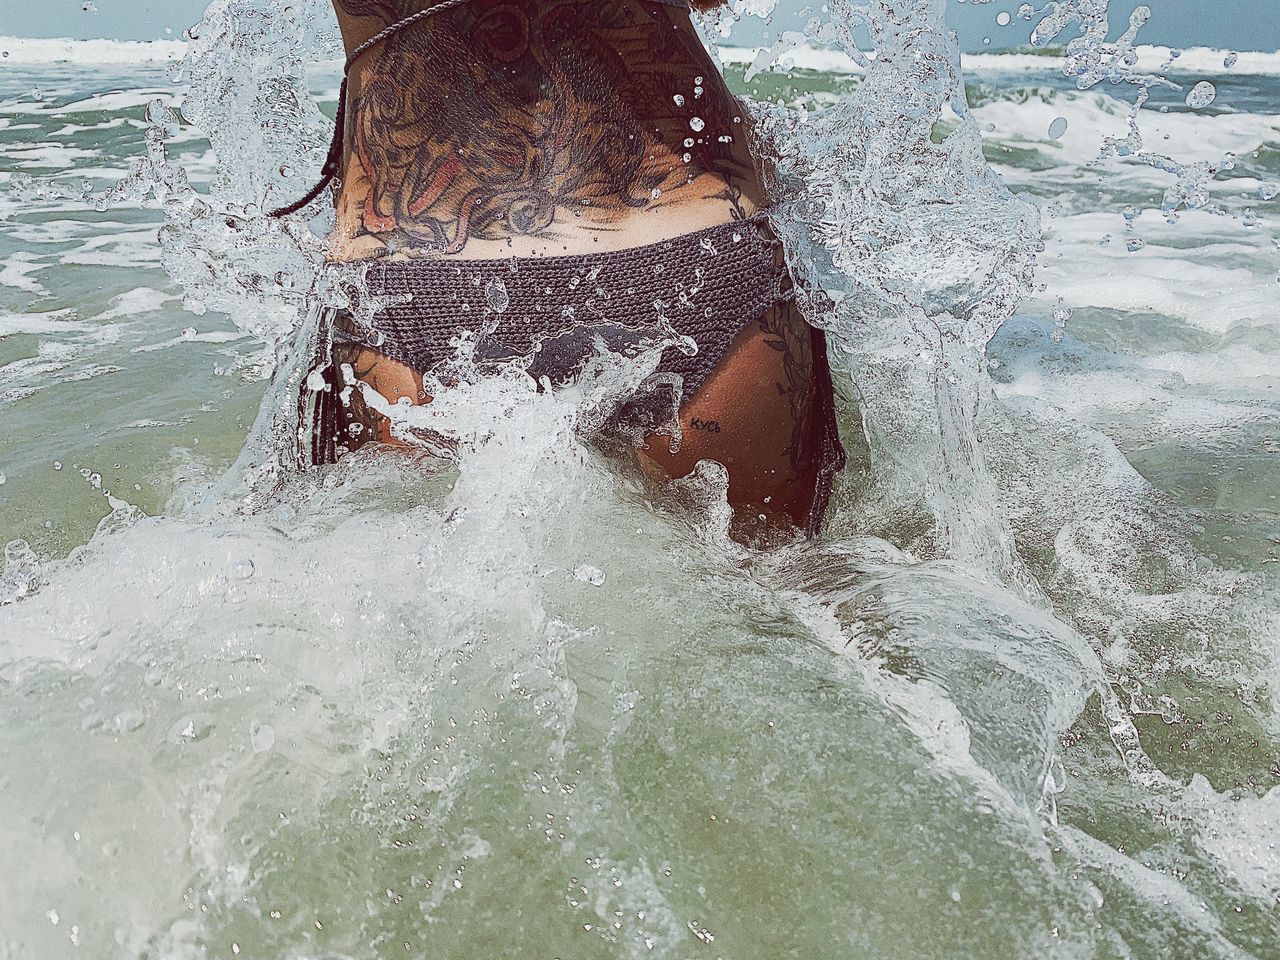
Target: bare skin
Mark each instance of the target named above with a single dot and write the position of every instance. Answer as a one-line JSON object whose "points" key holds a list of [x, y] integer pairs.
{"points": [[542, 127]]}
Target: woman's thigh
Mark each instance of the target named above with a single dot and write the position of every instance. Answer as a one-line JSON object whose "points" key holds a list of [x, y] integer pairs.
{"points": [[755, 415], [357, 366]]}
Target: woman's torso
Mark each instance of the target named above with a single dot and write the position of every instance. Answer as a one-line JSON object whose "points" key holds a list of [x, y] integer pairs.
{"points": [[533, 128]]}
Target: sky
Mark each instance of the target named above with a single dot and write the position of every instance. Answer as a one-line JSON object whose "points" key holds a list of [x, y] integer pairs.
{"points": [[1232, 24]]}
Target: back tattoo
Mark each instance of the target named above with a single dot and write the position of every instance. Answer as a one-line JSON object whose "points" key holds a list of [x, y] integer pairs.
{"points": [[506, 117]]}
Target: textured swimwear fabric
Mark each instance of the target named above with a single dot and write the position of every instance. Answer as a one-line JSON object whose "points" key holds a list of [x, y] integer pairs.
{"points": [[708, 286]]}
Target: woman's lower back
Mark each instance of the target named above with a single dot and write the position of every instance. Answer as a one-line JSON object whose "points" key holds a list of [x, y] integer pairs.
{"points": [[535, 127]]}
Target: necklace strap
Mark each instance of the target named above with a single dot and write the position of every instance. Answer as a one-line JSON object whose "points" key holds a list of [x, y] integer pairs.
{"points": [[396, 27], [333, 161]]}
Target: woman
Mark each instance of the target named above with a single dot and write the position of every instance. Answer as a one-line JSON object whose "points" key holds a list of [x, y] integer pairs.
{"points": [[556, 170]]}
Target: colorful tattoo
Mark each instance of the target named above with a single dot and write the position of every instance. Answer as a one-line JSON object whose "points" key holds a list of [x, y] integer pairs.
{"points": [[501, 118]]}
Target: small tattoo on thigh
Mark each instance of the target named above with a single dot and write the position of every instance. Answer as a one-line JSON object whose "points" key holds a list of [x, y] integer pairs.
{"points": [[709, 426]]}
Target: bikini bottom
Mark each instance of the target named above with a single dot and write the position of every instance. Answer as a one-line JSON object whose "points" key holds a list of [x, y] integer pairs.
{"points": [[555, 311]]}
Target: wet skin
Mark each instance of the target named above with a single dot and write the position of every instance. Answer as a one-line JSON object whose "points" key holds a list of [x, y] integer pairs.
{"points": [[541, 127]]}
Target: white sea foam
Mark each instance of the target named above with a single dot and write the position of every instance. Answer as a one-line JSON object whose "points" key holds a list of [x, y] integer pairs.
{"points": [[808, 56], [55, 321], [128, 248], [1209, 60], [804, 56], [44, 156], [1190, 136], [1220, 283], [211, 336], [19, 270], [134, 302], [120, 101], [31, 50]]}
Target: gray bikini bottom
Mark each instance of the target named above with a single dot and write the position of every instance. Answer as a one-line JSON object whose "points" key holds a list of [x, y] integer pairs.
{"points": [[552, 313]]}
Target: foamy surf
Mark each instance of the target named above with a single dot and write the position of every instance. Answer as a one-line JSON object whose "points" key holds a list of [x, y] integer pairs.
{"points": [[516, 699], [798, 54]]}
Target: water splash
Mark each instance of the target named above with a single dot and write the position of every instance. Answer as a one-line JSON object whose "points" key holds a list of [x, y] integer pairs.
{"points": [[1091, 58], [923, 253]]}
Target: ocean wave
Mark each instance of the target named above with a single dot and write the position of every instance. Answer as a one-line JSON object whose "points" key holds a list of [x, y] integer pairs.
{"points": [[1192, 60], [805, 56], [32, 50]]}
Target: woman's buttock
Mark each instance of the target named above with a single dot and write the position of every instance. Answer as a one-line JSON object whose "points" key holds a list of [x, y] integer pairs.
{"points": [[757, 413], [752, 391]]}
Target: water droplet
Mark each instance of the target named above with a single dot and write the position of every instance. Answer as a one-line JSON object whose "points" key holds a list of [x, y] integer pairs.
{"points": [[678, 100], [1231, 59], [262, 736], [697, 124], [1004, 18], [1201, 95], [241, 569], [189, 333], [1057, 128], [589, 574], [3, 478], [496, 296], [1134, 245], [191, 730], [127, 721], [57, 464]]}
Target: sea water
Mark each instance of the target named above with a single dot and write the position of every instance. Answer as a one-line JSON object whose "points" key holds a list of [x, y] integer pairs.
{"points": [[504, 697]]}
